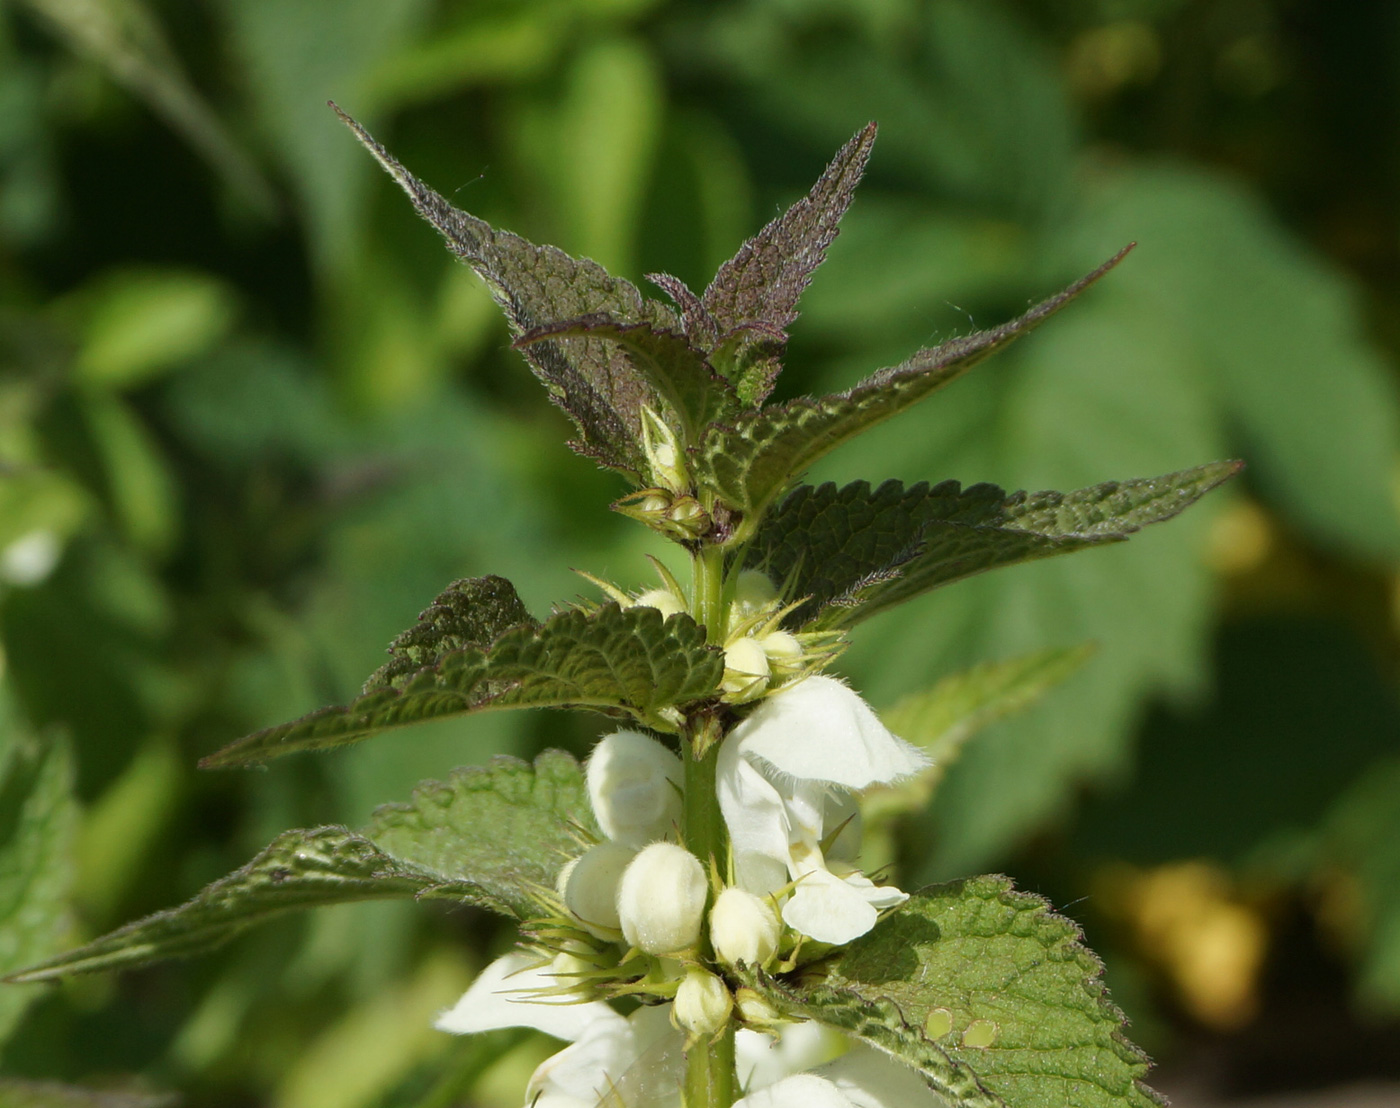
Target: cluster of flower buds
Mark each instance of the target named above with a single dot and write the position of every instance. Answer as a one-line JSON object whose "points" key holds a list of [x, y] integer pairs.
{"points": [[759, 656], [641, 916], [670, 505]]}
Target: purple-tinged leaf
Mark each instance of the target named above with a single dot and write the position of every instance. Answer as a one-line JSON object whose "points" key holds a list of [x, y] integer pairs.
{"points": [[748, 464], [699, 325], [588, 378], [671, 365], [762, 283]]}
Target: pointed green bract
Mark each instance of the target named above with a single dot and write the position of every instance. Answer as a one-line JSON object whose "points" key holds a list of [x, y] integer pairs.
{"points": [[492, 836], [472, 612], [747, 465], [626, 662], [592, 380], [673, 367], [854, 551], [997, 981]]}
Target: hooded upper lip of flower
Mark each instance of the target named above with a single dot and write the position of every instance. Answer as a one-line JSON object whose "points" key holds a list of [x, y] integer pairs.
{"points": [[782, 779]]}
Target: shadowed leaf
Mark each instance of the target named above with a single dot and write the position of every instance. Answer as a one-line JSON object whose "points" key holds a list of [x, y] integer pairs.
{"points": [[749, 464], [623, 662], [491, 836], [670, 364], [589, 378], [854, 551], [996, 981]]}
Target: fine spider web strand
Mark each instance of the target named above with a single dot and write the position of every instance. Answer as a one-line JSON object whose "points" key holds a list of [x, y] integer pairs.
{"points": [[653, 1080]]}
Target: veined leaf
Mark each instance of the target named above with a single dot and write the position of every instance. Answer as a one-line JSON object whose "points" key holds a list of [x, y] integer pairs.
{"points": [[589, 378], [853, 552], [617, 661], [472, 612], [491, 836], [757, 290], [747, 465], [996, 981], [671, 365]]}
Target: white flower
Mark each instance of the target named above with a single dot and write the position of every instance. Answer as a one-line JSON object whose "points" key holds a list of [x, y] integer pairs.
{"points": [[661, 900], [781, 779], [861, 1078], [609, 1054], [591, 883], [703, 1003], [634, 787], [744, 928]]}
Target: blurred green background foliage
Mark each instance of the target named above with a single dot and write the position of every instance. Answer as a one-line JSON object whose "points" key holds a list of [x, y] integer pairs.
{"points": [[253, 418]]}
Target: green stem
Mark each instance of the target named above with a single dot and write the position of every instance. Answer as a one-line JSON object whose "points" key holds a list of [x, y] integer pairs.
{"points": [[710, 1077]]}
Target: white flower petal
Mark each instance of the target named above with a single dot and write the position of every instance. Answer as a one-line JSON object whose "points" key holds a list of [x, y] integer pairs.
{"points": [[503, 995], [803, 1090], [757, 820], [762, 1058], [870, 1079], [819, 730], [634, 787], [828, 909]]}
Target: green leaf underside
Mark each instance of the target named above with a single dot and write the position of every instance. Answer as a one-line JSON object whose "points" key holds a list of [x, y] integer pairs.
{"points": [[473, 612], [671, 365], [757, 290], [50, 1094], [977, 953], [621, 662], [940, 720], [747, 465], [589, 378], [854, 551], [489, 836]]}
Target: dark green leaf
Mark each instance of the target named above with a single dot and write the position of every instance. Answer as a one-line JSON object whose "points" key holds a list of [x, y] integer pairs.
{"points": [[671, 365], [749, 464], [490, 836], [618, 661], [757, 290], [50, 1094], [1000, 983], [854, 552], [590, 378], [472, 612]]}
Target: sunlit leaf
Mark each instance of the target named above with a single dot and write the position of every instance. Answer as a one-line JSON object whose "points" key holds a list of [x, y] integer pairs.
{"points": [[626, 662], [491, 836], [995, 981]]}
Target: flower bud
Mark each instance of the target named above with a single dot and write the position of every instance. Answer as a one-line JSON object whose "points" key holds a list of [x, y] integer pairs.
{"points": [[591, 891], [663, 600], [753, 592], [702, 1003], [744, 928], [633, 785], [745, 669], [754, 1008], [661, 900], [783, 650]]}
